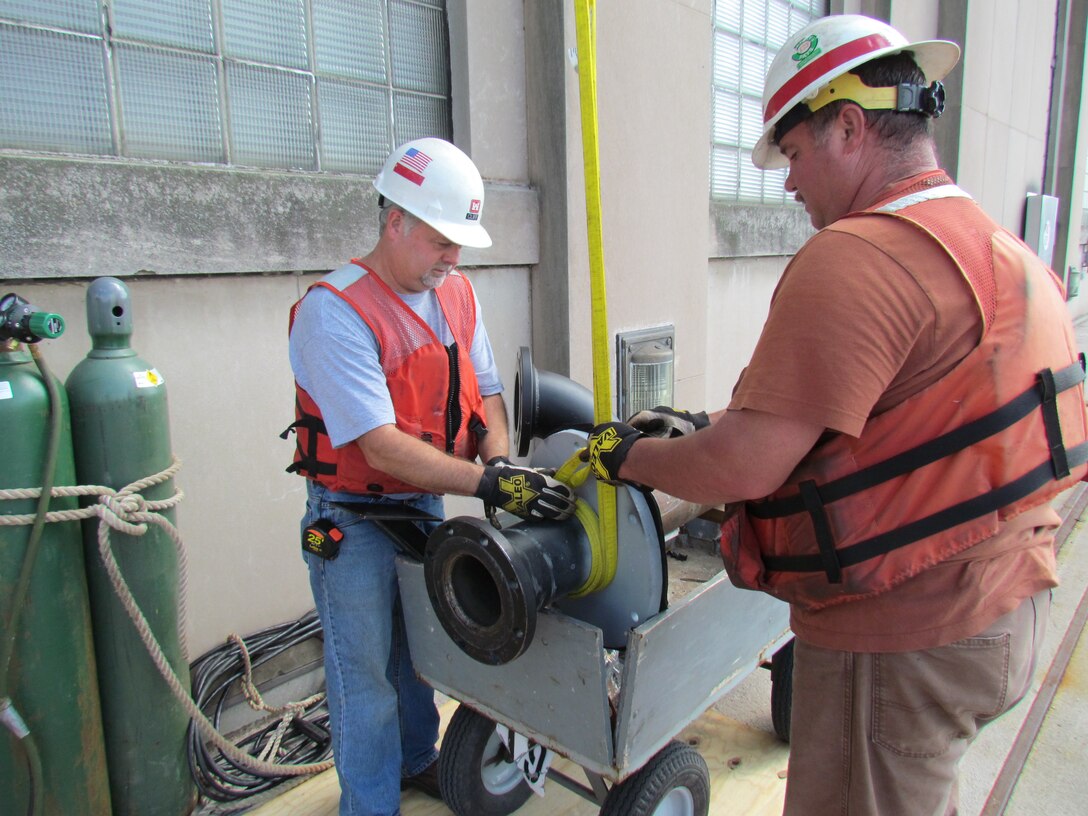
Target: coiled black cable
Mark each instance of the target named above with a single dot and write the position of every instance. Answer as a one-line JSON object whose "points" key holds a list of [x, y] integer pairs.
{"points": [[213, 674]]}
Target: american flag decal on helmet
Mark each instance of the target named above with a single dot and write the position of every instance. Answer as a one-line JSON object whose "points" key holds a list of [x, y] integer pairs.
{"points": [[411, 165]]}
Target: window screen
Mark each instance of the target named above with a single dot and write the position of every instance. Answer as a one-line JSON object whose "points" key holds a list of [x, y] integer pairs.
{"points": [[747, 35], [299, 84]]}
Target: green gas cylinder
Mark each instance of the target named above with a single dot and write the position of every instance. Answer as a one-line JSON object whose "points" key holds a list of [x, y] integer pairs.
{"points": [[121, 434], [52, 753]]}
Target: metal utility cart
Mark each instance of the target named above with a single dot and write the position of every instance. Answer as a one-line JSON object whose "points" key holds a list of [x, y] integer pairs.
{"points": [[600, 682]]}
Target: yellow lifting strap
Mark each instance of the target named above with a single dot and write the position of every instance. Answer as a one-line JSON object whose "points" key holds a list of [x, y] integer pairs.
{"points": [[604, 567]]}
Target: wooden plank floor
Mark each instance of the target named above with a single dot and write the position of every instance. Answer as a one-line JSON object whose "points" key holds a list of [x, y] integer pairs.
{"points": [[747, 777]]}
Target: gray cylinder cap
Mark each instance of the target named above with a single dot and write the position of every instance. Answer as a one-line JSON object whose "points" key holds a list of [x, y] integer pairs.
{"points": [[108, 312]]}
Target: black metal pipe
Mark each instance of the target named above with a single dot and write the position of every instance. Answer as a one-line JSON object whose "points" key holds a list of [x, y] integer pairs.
{"points": [[487, 585], [546, 402]]}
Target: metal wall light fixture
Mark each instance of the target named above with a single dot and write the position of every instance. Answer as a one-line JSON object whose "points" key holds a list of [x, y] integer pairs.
{"points": [[644, 368]]}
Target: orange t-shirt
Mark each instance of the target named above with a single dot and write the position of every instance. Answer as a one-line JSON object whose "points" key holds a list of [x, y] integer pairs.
{"points": [[856, 325]]}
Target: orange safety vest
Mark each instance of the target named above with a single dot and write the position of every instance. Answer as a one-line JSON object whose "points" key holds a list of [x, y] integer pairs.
{"points": [[436, 397], [1002, 432]]}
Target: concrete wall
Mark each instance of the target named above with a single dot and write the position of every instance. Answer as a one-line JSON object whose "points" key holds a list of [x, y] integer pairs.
{"points": [[654, 109], [1006, 96], [231, 251], [1066, 151], [213, 259]]}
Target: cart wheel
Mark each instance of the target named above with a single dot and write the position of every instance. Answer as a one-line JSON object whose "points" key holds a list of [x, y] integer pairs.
{"points": [[675, 782], [475, 771], [782, 690]]}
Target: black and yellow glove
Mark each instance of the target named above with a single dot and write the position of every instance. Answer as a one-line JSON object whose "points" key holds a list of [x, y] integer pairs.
{"points": [[609, 444], [665, 422], [531, 493]]}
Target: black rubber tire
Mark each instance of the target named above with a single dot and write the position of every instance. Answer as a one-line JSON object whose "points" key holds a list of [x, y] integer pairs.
{"points": [[676, 773], [782, 690], [475, 773]]}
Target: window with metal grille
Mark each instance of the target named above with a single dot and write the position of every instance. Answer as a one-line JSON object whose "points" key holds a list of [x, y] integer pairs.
{"points": [[328, 85], [747, 35]]}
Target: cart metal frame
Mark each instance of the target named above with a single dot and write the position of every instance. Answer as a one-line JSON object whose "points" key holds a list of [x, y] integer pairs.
{"points": [[676, 665]]}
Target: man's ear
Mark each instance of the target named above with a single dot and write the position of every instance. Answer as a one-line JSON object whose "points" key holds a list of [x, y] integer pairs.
{"points": [[852, 127], [395, 222]]}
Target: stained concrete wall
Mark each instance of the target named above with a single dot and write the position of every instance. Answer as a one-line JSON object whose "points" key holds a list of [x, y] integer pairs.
{"points": [[214, 258]]}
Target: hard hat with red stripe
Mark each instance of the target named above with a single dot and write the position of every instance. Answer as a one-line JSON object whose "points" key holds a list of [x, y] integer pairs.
{"points": [[827, 49], [437, 183]]}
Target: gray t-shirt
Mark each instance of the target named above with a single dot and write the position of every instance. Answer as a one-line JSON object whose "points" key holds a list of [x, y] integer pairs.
{"points": [[334, 356]]}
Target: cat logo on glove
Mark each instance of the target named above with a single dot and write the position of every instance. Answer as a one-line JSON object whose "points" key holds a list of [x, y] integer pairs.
{"points": [[604, 442], [517, 488]]}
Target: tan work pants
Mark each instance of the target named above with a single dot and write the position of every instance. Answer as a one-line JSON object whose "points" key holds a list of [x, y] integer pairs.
{"points": [[882, 734]]}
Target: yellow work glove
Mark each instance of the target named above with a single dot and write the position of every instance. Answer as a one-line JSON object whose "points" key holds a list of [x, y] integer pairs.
{"points": [[609, 444], [531, 493]]}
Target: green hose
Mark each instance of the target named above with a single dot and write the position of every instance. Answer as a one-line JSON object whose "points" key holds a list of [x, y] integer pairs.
{"points": [[22, 589]]}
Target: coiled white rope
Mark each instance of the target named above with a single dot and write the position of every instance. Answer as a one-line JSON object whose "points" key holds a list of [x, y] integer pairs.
{"points": [[124, 510], [128, 512], [286, 712]]}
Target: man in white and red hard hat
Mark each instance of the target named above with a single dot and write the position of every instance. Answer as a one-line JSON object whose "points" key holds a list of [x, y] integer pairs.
{"points": [[396, 393], [914, 401]]}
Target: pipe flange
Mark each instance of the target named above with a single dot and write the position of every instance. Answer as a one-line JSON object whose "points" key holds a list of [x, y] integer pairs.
{"points": [[483, 594]]}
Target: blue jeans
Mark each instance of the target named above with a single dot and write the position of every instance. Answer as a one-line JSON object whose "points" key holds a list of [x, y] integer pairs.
{"points": [[383, 718]]}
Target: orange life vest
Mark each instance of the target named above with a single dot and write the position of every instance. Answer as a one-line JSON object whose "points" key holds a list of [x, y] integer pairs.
{"points": [[436, 397], [1002, 432]]}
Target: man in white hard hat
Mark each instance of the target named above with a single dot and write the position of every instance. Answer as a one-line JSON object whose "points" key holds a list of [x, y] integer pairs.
{"points": [[913, 403], [397, 393]]}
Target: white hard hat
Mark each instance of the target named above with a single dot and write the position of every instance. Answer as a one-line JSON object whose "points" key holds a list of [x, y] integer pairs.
{"points": [[828, 48], [436, 182]]}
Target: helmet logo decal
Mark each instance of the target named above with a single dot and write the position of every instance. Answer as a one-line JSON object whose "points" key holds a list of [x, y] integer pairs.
{"points": [[806, 50], [473, 213], [411, 165]]}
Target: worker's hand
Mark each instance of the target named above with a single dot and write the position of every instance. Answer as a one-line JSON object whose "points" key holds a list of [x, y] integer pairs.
{"points": [[664, 422], [609, 445], [531, 493]]}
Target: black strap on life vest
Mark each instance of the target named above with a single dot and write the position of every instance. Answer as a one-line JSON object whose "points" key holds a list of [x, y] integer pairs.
{"points": [[453, 399], [813, 498], [307, 463], [1051, 424], [825, 539]]}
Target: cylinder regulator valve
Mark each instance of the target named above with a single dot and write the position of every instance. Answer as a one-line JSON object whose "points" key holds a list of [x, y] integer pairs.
{"points": [[24, 323]]}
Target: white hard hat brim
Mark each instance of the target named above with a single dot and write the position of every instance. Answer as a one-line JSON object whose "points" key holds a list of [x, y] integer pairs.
{"points": [[469, 235], [935, 58]]}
